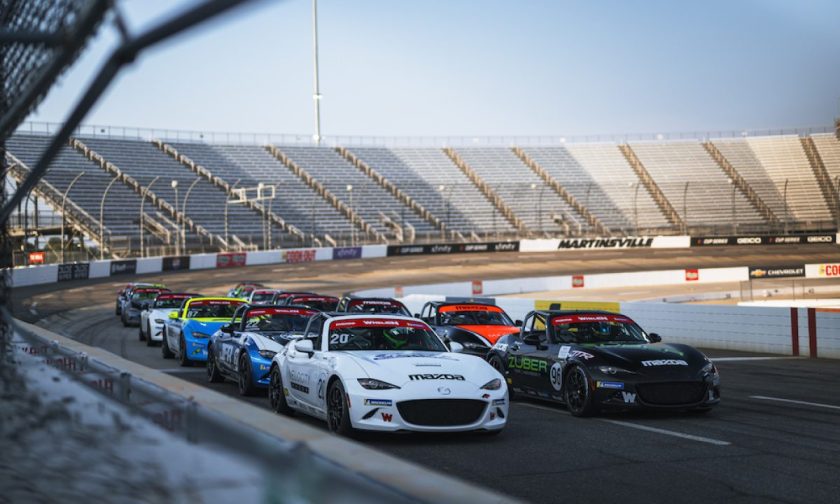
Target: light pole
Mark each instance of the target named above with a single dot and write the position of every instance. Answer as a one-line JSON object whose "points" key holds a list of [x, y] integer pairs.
{"points": [[836, 203], [226, 211], [786, 206], [143, 216], [442, 188], [313, 225], [352, 216], [685, 206], [636, 205], [734, 215], [174, 185], [102, 219], [184, 215], [317, 96], [533, 189], [63, 201]]}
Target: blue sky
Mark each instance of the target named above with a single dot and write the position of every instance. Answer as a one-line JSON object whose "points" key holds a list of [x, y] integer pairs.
{"points": [[478, 67]]}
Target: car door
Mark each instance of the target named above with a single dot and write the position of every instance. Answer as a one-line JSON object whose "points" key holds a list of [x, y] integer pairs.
{"points": [[230, 343], [302, 368], [527, 362], [173, 328]]}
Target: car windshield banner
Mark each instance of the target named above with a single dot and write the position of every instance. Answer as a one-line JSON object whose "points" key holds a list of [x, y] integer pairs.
{"points": [[452, 248], [127, 267], [583, 319], [256, 312], [469, 307], [343, 324], [215, 302], [716, 241], [79, 271], [167, 296], [777, 271]]}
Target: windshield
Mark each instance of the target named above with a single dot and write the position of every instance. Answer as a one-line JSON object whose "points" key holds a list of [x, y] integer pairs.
{"points": [[262, 297], [377, 306], [597, 329], [383, 334], [144, 294], [473, 315], [277, 319], [206, 308], [323, 303], [171, 301]]}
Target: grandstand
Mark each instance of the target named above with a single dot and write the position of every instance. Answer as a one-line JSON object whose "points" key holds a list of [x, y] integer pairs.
{"points": [[348, 194]]}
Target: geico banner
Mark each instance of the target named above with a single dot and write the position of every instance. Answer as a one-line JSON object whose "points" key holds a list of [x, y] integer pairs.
{"points": [[794, 271], [713, 241], [452, 248]]}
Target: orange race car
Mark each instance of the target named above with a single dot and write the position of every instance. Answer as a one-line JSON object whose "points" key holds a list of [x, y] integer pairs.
{"points": [[476, 326]]}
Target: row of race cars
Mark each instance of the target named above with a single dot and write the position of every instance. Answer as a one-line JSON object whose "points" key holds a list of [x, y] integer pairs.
{"points": [[368, 364]]}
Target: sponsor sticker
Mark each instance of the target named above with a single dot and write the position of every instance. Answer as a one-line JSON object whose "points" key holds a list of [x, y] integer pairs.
{"points": [[279, 311], [436, 376], [499, 402], [610, 385], [664, 362], [563, 352], [577, 281], [692, 275], [469, 307], [378, 402], [341, 324], [629, 398], [215, 302]]}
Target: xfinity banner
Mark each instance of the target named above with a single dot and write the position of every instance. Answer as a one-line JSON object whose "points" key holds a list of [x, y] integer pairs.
{"points": [[79, 271], [716, 241], [340, 253], [452, 248], [777, 272], [127, 267]]}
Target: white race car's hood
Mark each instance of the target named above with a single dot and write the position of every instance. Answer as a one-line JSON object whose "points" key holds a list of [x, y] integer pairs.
{"points": [[161, 313], [400, 368]]}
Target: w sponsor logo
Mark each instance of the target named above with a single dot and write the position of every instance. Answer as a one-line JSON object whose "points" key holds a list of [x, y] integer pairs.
{"points": [[386, 417], [628, 397]]}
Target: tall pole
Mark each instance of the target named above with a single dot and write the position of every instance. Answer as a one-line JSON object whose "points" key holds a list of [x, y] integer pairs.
{"points": [[184, 215], [837, 203], [734, 215], [685, 206], [143, 216], [352, 218], [636, 206], [317, 96], [445, 226], [786, 206], [226, 211], [174, 184], [102, 219], [540, 207], [63, 201]]}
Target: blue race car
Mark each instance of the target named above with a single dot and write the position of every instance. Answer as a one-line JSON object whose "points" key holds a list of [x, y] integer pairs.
{"points": [[188, 330], [242, 350]]}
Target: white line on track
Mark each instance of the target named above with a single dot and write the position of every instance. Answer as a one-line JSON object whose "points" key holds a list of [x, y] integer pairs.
{"points": [[701, 439], [738, 359], [793, 401], [682, 435]]}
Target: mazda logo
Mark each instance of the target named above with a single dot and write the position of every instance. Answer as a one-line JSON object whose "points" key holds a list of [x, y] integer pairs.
{"points": [[444, 390]]}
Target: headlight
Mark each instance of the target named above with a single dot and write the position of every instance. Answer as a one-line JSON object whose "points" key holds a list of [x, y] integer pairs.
{"points": [[267, 354], [494, 384], [611, 370], [371, 384], [200, 335], [710, 368], [159, 321]]}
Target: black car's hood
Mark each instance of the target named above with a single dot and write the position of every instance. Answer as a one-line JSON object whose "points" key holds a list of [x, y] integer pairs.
{"points": [[649, 359]]}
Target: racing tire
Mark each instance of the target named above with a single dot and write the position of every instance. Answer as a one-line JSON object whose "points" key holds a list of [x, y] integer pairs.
{"points": [[578, 393], [338, 413], [117, 309], [140, 335], [148, 338], [182, 353], [164, 349], [276, 394], [245, 382], [499, 365], [213, 373], [124, 321]]}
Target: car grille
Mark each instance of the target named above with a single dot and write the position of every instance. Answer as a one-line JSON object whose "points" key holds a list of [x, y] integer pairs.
{"points": [[441, 412], [671, 394]]}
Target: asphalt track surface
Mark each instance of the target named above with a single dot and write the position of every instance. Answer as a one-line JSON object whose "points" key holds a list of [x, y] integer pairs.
{"points": [[774, 438]]}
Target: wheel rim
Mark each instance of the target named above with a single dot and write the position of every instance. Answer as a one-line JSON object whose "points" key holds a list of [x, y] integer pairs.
{"points": [[274, 389], [576, 390], [336, 412]]}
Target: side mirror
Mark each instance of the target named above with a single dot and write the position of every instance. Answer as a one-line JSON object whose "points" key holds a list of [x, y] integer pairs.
{"points": [[518, 323], [304, 346], [456, 347], [173, 315], [416, 315], [655, 338], [227, 328]]}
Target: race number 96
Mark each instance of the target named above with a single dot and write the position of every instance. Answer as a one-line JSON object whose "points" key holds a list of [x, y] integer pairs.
{"points": [[555, 374]]}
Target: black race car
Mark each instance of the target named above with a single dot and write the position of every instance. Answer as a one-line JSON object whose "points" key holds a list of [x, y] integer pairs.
{"points": [[593, 361]]}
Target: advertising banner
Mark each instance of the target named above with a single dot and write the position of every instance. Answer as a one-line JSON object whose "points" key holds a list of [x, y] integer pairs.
{"points": [[692, 275], [175, 263], [777, 271], [340, 253], [75, 271], [829, 270], [298, 256], [716, 241], [126, 267], [452, 248], [231, 259], [605, 243], [37, 257]]}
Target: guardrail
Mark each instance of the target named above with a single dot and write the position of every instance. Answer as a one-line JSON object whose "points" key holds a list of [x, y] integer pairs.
{"points": [[309, 466]]}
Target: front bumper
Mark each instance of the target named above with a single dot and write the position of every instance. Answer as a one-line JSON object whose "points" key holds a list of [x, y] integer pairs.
{"points": [[379, 410], [260, 371], [196, 348], [615, 394], [156, 331]]}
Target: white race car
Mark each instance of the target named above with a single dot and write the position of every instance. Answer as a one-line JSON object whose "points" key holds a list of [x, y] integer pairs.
{"points": [[385, 373], [153, 317]]}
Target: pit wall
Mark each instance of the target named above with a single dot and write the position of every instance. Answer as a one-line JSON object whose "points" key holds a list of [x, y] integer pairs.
{"points": [[46, 274]]}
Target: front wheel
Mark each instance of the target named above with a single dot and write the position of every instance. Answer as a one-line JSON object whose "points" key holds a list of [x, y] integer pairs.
{"points": [[499, 365], [140, 335], [182, 353], [578, 393], [213, 374], [246, 383], [164, 348], [338, 413], [149, 340], [277, 394]]}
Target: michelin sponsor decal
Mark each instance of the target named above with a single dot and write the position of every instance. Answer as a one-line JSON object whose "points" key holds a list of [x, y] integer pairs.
{"points": [[610, 385], [378, 402]]}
